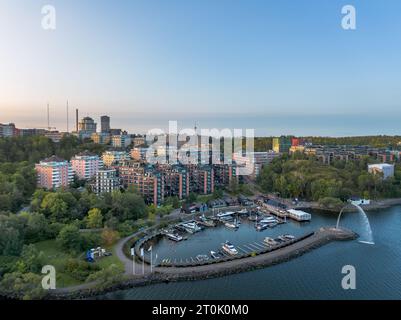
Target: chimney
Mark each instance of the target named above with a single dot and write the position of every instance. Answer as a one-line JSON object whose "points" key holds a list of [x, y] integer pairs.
{"points": [[76, 119]]}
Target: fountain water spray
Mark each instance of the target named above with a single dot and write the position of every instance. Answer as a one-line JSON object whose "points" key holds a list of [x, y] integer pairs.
{"points": [[368, 229]]}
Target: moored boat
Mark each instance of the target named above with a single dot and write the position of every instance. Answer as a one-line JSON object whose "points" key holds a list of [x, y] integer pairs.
{"points": [[191, 227], [232, 225], [261, 226], [202, 257], [174, 236], [270, 241], [215, 255], [229, 248]]}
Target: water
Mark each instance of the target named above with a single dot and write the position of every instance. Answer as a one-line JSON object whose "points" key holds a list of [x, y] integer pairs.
{"points": [[367, 236], [368, 230], [315, 275]]}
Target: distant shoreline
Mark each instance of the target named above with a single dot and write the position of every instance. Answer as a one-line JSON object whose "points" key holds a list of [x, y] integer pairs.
{"points": [[374, 205]]}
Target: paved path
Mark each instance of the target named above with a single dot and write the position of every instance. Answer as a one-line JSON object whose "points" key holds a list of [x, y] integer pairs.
{"points": [[130, 267]]}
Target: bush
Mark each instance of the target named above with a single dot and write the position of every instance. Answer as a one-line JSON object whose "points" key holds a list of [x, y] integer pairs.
{"points": [[7, 264], [27, 286], [109, 237], [331, 203], [90, 240], [70, 239], [80, 270], [107, 277]]}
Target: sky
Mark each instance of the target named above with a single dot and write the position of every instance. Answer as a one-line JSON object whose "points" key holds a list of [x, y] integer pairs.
{"points": [[280, 67]]}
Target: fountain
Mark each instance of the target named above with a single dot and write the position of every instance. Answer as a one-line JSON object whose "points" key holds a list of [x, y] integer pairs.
{"points": [[368, 230]]}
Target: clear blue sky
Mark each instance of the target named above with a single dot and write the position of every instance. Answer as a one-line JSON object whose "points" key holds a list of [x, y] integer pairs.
{"points": [[204, 59]]}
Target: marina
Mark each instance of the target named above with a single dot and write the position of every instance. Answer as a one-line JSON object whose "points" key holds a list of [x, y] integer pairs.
{"points": [[211, 237]]}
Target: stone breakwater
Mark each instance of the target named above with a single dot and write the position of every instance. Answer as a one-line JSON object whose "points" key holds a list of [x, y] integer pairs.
{"points": [[173, 274]]}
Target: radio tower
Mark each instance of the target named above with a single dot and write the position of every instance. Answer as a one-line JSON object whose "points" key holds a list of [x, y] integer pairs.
{"points": [[48, 117], [68, 129]]}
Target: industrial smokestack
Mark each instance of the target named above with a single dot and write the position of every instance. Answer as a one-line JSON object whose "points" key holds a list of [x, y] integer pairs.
{"points": [[76, 119]]}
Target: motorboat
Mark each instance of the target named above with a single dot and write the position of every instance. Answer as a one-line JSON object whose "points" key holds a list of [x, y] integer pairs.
{"points": [[191, 227], [202, 257], [215, 255], [268, 220], [174, 236], [289, 236], [270, 241], [232, 225], [229, 248], [261, 226]]}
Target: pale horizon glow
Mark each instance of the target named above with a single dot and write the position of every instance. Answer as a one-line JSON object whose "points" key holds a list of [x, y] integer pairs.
{"points": [[276, 66]]}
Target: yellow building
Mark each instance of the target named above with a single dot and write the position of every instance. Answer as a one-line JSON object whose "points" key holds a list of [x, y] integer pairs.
{"points": [[110, 157]]}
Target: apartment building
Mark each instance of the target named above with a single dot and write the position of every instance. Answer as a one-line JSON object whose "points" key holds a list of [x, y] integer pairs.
{"points": [[53, 173], [85, 165]]}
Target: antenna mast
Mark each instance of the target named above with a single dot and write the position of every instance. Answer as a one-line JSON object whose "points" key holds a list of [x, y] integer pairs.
{"points": [[48, 117], [68, 129]]}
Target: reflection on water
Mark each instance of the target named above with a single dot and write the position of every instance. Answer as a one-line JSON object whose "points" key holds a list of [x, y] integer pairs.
{"points": [[315, 275]]}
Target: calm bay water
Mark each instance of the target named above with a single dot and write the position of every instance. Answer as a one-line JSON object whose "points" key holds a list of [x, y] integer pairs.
{"points": [[315, 275]]}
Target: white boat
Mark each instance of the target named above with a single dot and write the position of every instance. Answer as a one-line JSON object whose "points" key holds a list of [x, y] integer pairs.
{"points": [[243, 211], [261, 226], [282, 238], [229, 248], [202, 257], [270, 241], [232, 225], [289, 236], [268, 220], [253, 217], [225, 214], [214, 255], [191, 227], [174, 236]]}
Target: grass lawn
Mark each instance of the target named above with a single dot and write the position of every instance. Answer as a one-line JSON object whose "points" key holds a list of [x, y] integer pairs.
{"points": [[56, 257], [107, 261]]}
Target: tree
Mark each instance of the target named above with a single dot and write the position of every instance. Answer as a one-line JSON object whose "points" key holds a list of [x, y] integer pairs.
{"points": [[192, 197], [70, 239], [11, 241], [37, 228], [94, 219], [27, 286], [127, 206], [32, 259], [55, 207], [109, 237]]}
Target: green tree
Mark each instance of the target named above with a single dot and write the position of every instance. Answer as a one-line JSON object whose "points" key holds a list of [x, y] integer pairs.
{"points": [[32, 259], [70, 238], [27, 286], [94, 219]]}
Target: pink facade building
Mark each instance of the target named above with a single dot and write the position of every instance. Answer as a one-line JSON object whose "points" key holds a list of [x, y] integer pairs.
{"points": [[54, 173], [85, 165]]}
